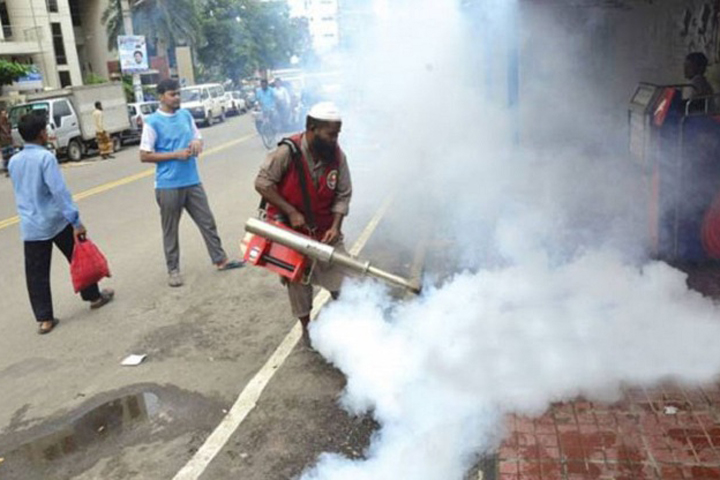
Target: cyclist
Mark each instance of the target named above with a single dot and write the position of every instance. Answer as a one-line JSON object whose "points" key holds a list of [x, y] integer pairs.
{"points": [[267, 100]]}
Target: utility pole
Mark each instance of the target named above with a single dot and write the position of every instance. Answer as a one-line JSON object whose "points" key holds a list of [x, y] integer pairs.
{"points": [[127, 22]]}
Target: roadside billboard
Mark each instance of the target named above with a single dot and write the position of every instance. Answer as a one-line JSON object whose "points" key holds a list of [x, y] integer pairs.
{"points": [[133, 53]]}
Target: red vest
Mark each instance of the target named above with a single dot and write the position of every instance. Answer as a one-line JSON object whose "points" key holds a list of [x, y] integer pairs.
{"points": [[322, 196]]}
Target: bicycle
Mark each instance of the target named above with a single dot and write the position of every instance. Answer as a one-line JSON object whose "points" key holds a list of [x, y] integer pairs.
{"points": [[266, 128]]}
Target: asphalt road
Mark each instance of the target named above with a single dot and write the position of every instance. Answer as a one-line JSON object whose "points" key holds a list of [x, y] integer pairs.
{"points": [[68, 409]]}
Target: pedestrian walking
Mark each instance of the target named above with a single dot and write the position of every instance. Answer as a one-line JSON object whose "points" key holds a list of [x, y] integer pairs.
{"points": [[104, 142], [172, 142], [306, 184], [48, 216]]}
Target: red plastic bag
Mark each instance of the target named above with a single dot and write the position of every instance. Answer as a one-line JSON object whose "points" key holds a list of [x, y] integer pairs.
{"points": [[88, 265]]}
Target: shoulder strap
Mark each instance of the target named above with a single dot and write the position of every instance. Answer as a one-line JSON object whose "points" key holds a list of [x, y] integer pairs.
{"points": [[301, 169], [296, 156]]}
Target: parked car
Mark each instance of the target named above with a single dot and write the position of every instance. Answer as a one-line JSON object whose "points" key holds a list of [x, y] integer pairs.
{"points": [[237, 102], [137, 113], [206, 102], [70, 121]]}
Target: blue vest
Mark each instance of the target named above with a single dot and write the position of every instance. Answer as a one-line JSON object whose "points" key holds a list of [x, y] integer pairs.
{"points": [[174, 132]]}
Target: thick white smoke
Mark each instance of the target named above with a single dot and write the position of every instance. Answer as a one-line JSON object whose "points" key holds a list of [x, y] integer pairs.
{"points": [[551, 299], [439, 373]]}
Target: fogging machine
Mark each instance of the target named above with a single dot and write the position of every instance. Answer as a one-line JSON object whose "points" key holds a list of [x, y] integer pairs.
{"points": [[292, 255]]}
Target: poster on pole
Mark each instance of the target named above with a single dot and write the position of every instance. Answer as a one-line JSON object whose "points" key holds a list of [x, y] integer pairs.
{"points": [[133, 53]]}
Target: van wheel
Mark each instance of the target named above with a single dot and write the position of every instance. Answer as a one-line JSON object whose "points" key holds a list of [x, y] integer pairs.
{"points": [[117, 144], [222, 116], [209, 119], [74, 151]]}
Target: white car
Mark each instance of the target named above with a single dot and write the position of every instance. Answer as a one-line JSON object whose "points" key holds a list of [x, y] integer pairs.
{"points": [[137, 113], [236, 102], [206, 102]]}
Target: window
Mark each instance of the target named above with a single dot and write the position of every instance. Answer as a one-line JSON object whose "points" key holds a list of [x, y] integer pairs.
{"points": [[18, 112], [52, 6], [59, 45], [190, 95], [75, 13], [148, 108], [213, 92], [61, 109], [131, 111], [65, 79], [5, 19]]}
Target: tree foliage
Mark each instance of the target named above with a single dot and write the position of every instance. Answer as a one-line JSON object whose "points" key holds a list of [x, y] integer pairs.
{"points": [[94, 79], [231, 38], [242, 36], [12, 71], [169, 22]]}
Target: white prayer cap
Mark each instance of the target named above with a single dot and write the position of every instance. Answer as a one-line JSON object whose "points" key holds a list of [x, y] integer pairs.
{"points": [[325, 111]]}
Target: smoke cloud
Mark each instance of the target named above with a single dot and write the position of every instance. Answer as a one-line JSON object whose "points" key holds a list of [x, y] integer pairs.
{"points": [[551, 296]]}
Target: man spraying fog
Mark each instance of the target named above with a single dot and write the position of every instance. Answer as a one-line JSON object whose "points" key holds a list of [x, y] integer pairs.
{"points": [[306, 183]]}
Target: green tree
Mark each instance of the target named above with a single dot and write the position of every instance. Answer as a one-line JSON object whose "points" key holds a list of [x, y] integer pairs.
{"points": [[11, 71], [166, 22], [241, 36], [94, 79]]}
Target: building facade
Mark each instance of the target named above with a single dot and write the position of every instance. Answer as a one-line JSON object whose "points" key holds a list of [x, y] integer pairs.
{"points": [[65, 40], [323, 21], [41, 33]]}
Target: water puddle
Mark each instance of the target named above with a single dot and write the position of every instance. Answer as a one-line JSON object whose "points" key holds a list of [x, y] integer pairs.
{"points": [[88, 429]]}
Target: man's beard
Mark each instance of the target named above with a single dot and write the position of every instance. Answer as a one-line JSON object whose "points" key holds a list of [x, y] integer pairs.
{"points": [[324, 150]]}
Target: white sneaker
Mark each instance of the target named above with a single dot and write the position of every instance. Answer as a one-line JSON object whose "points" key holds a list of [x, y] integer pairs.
{"points": [[175, 279]]}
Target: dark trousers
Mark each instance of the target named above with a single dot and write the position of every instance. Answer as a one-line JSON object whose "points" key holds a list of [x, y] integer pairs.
{"points": [[38, 256]]}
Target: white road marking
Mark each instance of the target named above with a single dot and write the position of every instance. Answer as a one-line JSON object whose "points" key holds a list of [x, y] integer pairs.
{"points": [[251, 394]]}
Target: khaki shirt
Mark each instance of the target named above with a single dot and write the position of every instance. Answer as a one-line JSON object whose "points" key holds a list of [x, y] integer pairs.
{"points": [[277, 162], [99, 121]]}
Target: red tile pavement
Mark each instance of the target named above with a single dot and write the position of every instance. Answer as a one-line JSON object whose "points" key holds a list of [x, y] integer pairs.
{"points": [[666, 432]]}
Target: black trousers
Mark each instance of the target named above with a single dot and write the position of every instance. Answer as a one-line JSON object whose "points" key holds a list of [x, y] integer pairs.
{"points": [[38, 256]]}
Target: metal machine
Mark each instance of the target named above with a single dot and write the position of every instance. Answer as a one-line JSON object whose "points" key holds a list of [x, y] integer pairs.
{"points": [[676, 142], [292, 255]]}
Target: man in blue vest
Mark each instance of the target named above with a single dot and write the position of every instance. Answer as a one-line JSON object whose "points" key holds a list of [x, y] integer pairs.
{"points": [[172, 142]]}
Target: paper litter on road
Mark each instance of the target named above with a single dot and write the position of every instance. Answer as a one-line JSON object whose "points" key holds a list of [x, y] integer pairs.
{"points": [[133, 360], [671, 410]]}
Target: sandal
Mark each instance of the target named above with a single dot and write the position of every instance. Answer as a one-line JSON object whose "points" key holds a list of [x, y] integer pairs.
{"points": [[106, 297], [230, 264], [47, 326]]}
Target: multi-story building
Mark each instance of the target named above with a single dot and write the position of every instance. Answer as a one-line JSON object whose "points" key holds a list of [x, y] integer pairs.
{"points": [[64, 39], [42, 33], [322, 18]]}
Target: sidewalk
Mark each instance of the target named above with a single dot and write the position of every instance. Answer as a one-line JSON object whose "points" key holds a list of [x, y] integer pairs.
{"points": [[668, 432], [664, 433]]}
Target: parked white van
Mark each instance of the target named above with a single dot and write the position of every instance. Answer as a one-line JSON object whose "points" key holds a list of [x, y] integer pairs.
{"points": [[206, 102]]}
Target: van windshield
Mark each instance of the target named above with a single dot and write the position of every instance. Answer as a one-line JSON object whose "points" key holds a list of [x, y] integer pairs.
{"points": [[16, 113], [192, 95]]}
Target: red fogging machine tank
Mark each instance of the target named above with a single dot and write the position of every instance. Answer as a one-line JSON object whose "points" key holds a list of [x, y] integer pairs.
{"points": [[274, 256]]}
